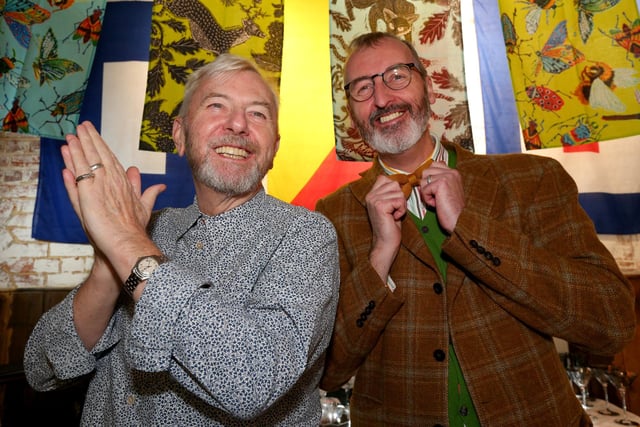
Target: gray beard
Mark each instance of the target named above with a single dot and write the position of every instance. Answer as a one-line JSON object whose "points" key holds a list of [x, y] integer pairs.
{"points": [[395, 139], [231, 186], [205, 172], [392, 141]]}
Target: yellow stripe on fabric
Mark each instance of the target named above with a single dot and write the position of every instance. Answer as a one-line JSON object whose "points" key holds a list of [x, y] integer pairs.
{"points": [[306, 118]]}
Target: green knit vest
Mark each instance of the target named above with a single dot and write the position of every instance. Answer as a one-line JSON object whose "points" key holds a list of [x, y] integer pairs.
{"points": [[461, 409]]}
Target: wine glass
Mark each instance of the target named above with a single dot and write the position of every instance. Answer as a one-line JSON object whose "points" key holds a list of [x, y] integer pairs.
{"points": [[603, 378], [623, 379], [581, 377]]}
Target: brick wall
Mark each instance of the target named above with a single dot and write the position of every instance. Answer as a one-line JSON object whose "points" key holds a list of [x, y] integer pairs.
{"points": [[28, 263], [25, 262]]}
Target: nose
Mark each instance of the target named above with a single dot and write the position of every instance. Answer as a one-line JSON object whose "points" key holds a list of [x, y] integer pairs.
{"points": [[237, 121], [382, 94]]}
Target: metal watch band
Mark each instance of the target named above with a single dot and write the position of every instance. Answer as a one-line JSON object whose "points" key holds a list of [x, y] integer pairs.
{"points": [[131, 283], [135, 278]]}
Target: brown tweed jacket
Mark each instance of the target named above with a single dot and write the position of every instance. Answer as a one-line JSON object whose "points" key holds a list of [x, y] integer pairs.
{"points": [[524, 265]]}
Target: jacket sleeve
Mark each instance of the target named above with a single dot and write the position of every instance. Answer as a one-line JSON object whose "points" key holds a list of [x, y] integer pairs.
{"points": [[537, 255], [365, 306]]}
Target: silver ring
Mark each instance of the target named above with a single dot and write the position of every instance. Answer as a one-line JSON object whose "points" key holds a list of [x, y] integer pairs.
{"points": [[85, 176], [428, 179], [96, 166]]}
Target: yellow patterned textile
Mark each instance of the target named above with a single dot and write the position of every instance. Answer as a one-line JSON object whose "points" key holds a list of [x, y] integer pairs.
{"points": [[435, 30], [186, 34], [574, 69]]}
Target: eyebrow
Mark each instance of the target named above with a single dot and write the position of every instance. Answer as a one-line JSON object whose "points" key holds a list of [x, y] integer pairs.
{"points": [[266, 104]]}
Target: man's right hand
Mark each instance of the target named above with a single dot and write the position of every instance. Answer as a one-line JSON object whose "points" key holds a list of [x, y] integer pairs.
{"points": [[111, 207], [386, 205]]}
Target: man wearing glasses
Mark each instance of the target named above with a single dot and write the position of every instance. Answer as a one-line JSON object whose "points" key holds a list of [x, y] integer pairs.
{"points": [[458, 269]]}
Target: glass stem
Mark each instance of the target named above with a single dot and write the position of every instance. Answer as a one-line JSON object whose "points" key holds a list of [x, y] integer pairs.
{"points": [[623, 396]]}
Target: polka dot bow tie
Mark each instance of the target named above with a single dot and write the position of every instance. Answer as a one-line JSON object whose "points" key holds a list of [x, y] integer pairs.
{"points": [[407, 182]]}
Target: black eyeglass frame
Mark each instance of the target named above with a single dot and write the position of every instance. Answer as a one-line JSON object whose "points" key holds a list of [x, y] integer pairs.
{"points": [[409, 65]]}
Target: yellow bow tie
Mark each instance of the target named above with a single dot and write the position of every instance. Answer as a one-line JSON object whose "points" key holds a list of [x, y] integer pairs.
{"points": [[407, 182]]}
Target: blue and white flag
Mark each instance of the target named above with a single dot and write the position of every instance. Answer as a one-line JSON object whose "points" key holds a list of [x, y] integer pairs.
{"points": [[116, 84]]}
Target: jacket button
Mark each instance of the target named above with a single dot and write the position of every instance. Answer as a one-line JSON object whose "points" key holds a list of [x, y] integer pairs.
{"points": [[488, 255], [424, 229], [496, 261], [473, 244], [481, 250], [439, 355], [359, 323], [372, 304], [437, 288], [438, 425]]}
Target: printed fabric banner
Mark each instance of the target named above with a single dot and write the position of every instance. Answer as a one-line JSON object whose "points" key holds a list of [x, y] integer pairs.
{"points": [[187, 34], [46, 54], [574, 69], [435, 30], [114, 103], [606, 173]]}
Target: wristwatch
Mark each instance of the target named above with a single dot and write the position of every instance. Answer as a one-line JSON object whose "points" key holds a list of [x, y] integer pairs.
{"points": [[142, 271]]}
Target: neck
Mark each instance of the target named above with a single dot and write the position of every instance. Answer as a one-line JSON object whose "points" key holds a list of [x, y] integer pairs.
{"points": [[213, 203], [410, 159]]}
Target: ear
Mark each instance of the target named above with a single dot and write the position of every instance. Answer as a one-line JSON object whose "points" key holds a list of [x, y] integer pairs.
{"points": [[429, 86], [277, 143], [178, 135]]}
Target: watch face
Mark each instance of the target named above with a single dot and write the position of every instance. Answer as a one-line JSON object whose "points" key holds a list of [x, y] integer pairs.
{"points": [[147, 265]]}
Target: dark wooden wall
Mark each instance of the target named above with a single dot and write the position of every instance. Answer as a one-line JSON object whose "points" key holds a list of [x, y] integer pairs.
{"points": [[20, 405]]}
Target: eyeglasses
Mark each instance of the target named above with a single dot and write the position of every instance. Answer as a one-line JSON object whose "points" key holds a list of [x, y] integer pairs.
{"points": [[395, 77]]}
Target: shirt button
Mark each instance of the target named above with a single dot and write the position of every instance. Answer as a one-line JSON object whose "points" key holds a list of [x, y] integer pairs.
{"points": [[131, 399], [199, 245], [439, 355], [437, 288]]}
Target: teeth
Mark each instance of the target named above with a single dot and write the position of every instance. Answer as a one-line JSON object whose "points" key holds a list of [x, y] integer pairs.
{"points": [[389, 117], [232, 152]]}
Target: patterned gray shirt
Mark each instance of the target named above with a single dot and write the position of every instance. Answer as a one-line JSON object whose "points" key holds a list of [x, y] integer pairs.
{"points": [[231, 331]]}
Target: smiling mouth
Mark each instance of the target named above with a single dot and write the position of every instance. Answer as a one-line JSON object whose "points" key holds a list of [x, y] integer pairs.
{"points": [[232, 152], [388, 117]]}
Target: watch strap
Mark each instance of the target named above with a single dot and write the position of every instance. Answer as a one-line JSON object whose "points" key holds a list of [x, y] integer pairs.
{"points": [[131, 283], [135, 278]]}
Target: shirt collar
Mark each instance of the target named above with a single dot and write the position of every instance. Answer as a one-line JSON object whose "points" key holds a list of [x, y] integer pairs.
{"points": [[192, 213]]}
